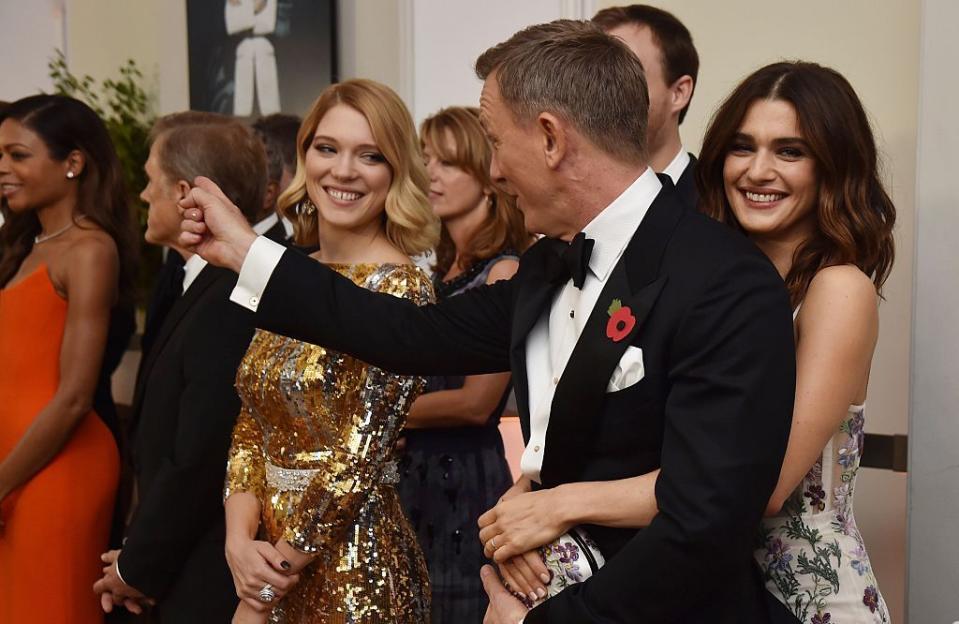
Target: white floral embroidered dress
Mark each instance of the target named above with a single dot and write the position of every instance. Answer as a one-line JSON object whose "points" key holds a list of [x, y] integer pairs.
{"points": [[812, 555]]}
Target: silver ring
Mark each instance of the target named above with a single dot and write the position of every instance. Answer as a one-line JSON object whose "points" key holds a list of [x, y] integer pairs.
{"points": [[267, 594], [492, 543]]}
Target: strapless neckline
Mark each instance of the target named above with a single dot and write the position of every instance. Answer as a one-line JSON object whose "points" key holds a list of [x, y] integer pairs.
{"points": [[42, 268]]}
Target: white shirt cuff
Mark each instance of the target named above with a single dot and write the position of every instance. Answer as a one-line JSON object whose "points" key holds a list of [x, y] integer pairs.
{"points": [[120, 576], [255, 273]]}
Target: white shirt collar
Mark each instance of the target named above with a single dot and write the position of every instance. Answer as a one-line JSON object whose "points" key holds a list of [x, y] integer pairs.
{"points": [[676, 168], [613, 228], [261, 227], [191, 269]]}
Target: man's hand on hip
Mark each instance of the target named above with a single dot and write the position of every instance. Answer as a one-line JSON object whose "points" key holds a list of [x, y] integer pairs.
{"points": [[214, 227]]}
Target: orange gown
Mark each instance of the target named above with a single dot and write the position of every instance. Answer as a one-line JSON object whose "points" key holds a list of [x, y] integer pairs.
{"points": [[56, 524]]}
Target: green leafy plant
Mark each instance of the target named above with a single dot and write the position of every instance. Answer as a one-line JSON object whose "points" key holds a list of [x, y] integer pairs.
{"points": [[126, 110]]}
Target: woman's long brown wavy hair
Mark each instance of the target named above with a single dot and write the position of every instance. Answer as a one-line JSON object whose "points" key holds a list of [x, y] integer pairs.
{"points": [[503, 228], [855, 216], [65, 124]]}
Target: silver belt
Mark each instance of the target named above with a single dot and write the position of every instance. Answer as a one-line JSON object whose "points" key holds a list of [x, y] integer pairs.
{"points": [[298, 479]]}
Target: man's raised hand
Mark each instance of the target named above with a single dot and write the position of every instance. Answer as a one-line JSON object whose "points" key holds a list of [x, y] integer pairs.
{"points": [[213, 226]]}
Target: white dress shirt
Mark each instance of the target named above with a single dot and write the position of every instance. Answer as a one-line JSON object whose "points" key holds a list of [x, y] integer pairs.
{"points": [[191, 269], [552, 339], [678, 165]]}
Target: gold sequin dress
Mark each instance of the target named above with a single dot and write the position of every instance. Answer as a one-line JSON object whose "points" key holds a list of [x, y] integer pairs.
{"points": [[314, 443]]}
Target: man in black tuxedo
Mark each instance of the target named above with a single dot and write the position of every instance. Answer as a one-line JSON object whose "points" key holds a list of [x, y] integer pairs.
{"points": [[646, 281], [665, 48], [185, 404]]}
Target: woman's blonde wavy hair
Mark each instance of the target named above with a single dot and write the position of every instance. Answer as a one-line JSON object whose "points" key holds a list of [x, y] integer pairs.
{"points": [[410, 223]]}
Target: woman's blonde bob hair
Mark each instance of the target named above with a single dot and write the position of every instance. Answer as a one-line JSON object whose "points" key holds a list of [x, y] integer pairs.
{"points": [[410, 223]]}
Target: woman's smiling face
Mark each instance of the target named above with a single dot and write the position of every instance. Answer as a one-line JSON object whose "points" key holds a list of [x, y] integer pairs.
{"points": [[770, 174], [347, 177], [29, 176]]}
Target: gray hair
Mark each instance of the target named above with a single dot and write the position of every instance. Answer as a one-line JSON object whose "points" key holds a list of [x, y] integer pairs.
{"points": [[216, 147], [575, 70]]}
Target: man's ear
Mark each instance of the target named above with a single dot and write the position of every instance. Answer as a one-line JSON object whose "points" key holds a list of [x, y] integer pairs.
{"points": [[681, 92], [182, 189], [555, 138]]}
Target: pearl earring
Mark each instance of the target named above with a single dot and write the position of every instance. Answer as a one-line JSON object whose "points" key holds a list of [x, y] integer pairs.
{"points": [[70, 174]]}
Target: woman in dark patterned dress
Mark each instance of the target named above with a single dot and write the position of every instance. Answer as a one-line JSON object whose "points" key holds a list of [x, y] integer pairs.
{"points": [[453, 467]]}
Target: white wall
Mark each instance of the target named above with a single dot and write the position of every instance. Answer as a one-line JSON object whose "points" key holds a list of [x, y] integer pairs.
{"points": [[30, 31], [876, 46], [369, 40], [934, 430], [448, 36]]}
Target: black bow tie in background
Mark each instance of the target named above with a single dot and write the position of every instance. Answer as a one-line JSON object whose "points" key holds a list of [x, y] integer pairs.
{"points": [[571, 261]]}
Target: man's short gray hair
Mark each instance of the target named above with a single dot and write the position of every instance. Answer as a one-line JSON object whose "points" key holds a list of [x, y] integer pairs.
{"points": [[574, 69]]}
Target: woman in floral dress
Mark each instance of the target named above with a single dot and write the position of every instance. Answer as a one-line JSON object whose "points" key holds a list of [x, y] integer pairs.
{"points": [[790, 159]]}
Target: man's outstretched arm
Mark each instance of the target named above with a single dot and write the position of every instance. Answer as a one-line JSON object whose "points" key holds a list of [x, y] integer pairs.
{"points": [[298, 297]]}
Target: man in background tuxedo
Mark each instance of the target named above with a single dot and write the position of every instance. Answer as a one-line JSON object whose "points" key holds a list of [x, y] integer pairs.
{"points": [[665, 48], [627, 276], [185, 404], [277, 133]]}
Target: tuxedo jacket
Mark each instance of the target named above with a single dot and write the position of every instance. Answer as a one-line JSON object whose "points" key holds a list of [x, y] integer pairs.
{"points": [[184, 409], [713, 410], [686, 184]]}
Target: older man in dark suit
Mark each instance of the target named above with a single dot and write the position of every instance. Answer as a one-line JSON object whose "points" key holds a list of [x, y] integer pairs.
{"points": [[185, 404], [626, 272]]}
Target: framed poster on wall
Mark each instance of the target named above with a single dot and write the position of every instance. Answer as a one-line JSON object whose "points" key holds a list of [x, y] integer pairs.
{"points": [[257, 57]]}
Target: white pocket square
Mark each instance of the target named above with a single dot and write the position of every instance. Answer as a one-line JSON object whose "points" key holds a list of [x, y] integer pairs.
{"points": [[629, 371]]}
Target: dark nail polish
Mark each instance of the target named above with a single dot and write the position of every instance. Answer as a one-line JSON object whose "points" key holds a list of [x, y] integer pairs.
{"points": [[285, 565]]}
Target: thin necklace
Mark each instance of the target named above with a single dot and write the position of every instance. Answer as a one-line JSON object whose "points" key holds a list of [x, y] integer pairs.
{"points": [[42, 239]]}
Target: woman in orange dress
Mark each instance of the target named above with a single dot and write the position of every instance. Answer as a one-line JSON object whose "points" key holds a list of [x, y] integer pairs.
{"points": [[65, 276]]}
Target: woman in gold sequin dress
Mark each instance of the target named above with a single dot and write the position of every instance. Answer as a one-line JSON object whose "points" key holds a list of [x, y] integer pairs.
{"points": [[312, 514]]}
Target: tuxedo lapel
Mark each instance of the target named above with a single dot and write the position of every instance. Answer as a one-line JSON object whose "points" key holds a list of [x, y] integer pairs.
{"points": [[203, 281], [636, 283], [534, 295]]}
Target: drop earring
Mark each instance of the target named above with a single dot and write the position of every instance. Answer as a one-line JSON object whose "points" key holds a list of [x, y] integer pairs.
{"points": [[306, 207]]}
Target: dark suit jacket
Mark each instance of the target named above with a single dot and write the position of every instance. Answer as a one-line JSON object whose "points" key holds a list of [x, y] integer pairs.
{"points": [[184, 409], [686, 185], [713, 411]]}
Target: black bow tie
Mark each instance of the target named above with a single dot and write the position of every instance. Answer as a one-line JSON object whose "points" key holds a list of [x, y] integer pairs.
{"points": [[573, 260]]}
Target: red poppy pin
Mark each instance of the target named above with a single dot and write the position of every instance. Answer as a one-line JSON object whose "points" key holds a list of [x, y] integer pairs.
{"points": [[621, 321]]}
